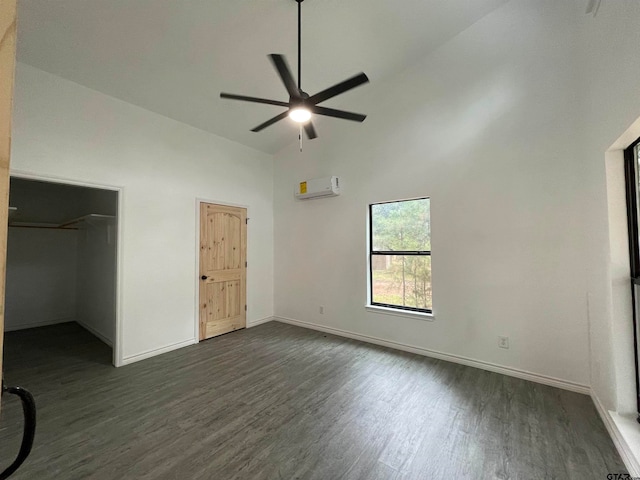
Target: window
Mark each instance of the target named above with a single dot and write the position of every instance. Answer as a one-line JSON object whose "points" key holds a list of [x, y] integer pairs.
{"points": [[400, 255], [632, 177]]}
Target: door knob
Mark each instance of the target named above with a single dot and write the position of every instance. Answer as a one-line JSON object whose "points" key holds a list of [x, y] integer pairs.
{"points": [[204, 277]]}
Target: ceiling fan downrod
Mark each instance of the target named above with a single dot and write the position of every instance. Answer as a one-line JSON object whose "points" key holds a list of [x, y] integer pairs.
{"points": [[299, 44]]}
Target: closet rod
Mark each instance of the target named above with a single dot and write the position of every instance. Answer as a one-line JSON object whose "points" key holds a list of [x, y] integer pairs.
{"points": [[45, 227]]}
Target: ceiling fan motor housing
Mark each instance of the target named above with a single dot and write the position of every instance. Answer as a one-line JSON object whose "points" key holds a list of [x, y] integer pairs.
{"points": [[300, 101]]}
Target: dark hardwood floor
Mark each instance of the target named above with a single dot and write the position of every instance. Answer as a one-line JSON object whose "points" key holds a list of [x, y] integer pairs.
{"points": [[282, 402]]}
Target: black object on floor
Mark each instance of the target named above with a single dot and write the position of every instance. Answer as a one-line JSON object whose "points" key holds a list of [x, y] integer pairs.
{"points": [[29, 411]]}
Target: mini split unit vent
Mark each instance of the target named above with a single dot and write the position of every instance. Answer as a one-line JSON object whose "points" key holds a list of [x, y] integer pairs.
{"points": [[318, 187]]}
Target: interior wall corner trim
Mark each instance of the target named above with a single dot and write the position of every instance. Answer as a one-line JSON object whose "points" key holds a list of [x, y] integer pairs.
{"points": [[95, 332], [260, 321]]}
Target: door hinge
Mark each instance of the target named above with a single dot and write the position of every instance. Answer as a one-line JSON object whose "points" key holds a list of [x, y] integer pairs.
{"points": [[245, 264], [246, 220], [245, 308]]}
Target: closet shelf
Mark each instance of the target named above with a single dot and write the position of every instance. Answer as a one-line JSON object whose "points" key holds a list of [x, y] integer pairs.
{"points": [[91, 220]]}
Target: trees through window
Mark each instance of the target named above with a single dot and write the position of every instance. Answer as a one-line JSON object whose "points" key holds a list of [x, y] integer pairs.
{"points": [[400, 255]]}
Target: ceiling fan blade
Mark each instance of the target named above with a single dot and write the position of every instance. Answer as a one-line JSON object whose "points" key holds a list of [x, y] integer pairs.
{"points": [[271, 121], [337, 89], [310, 131], [330, 112], [280, 63], [231, 96]]}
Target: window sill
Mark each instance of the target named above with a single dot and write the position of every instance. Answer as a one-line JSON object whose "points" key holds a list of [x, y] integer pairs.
{"points": [[429, 317]]}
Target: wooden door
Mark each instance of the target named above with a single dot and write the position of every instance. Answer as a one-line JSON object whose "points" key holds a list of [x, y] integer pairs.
{"points": [[223, 269], [7, 68]]}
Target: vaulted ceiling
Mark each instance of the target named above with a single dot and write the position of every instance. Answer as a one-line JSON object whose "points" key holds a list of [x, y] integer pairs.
{"points": [[175, 57]]}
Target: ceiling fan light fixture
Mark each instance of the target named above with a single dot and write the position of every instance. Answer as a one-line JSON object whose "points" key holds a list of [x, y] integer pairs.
{"points": [[300, 114]]}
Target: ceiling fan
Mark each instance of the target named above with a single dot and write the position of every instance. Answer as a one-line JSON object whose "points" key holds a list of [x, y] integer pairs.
{"points": [[301, 106]]}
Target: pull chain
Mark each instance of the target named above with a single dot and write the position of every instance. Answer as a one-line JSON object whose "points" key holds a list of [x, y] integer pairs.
{"points": [[300, 137]]}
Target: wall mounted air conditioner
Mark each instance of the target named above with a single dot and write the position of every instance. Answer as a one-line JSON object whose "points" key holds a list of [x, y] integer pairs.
{"points": [[318, 187]]}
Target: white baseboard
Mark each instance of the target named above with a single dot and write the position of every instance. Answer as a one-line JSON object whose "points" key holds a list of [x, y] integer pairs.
{"points": [[175, 346], [630, 459], [157, 351], [95, 333], [255, 323], [44, 323], [492, 367]]}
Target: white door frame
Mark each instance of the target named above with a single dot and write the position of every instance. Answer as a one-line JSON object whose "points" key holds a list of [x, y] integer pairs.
{"points": [[199, 201], [117, 358]]}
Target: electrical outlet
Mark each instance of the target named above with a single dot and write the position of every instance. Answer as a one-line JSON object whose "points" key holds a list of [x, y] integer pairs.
{"points": [[321, 309], [503, 342]]}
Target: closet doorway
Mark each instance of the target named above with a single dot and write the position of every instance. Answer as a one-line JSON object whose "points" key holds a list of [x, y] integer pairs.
{"points": [[61, 271]]}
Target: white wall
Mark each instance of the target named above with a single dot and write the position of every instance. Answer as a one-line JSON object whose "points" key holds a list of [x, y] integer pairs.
{"points": [[41, 277], [96, 286], [610, 116], [487, 126], [96, 308], [63, 129], [620, 331], [611, 104]]}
